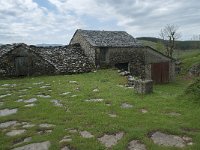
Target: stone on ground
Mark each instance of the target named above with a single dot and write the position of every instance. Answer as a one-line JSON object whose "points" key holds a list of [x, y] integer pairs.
{"points": [[35, 146], [57, 103], [170, 140], [46, 125], [65, 93], [30, 105], [28, 139], [86, 134], [144, 111], [111, 140], [7, 124], [136, 145], [73, 131], [112, 115], [66, 139], [28, 125], [1, 103], [6, 112], [126, 105], [65, 148], [96, 90], [15, 132], [174, 114], [32, 100], [44, 96], [5, 95], [94, 100]]}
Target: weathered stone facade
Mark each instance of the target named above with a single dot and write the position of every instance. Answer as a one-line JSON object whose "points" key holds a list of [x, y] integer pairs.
{"points": [[112, 48], [24, 60]]}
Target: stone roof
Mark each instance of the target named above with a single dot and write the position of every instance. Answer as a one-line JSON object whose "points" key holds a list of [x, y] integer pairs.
{"points": [[64, 58], [109, 38]]}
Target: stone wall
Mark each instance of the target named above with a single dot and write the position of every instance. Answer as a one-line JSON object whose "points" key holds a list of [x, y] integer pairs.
{"points": [[133, 56], [44, 60], [89, 50]]}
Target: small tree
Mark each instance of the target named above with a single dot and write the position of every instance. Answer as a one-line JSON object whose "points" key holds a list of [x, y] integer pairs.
{"points": [[169, 34]]}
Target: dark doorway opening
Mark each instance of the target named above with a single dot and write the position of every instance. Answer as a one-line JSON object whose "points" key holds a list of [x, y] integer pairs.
{"points": [[22, 66], [122, 66]]}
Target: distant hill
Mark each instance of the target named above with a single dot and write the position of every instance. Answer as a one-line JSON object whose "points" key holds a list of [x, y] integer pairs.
{"points": [[47, 45], [181, 45]]}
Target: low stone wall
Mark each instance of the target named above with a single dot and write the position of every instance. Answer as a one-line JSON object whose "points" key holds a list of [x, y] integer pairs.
{"points": [[141, 86]]}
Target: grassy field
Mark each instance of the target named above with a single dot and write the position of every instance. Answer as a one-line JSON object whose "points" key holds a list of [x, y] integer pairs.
{"points": [[94, 116]]}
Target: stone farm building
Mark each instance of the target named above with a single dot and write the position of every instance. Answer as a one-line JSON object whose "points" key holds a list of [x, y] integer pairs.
{"points": [[87, 51], [24, 60], [119, 49]]}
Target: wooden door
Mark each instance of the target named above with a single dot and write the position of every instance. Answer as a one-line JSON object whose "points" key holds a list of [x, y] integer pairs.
{"points": [[160, 72], [21, 66]]}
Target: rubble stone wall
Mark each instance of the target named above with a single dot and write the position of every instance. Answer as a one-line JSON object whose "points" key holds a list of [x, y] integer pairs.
{"points": [[89, 50]]}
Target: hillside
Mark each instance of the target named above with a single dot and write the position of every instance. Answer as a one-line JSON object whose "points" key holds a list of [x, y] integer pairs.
{"points": [[181, 45]]}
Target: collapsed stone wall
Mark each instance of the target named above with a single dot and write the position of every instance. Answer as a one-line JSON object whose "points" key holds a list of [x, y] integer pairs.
{"points": [[44, 60]]}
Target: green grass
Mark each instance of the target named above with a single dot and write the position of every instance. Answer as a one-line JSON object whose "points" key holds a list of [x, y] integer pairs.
{"points": [[189, 58], [93, 116]]}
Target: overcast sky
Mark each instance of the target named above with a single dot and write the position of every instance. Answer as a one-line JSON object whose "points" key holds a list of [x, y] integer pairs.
{"points": [[55, 21]]}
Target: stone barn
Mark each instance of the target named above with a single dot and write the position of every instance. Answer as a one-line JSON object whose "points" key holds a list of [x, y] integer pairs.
{"points": [[121, 50], [24, 60]]}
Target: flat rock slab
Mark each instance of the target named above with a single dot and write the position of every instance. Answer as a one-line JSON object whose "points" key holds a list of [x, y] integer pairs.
{"points": [[174, 114], [144, 111], [32, 100], [46, 125], [126, 105], [28, 126], [86, 134], [5, 95], [44, 96], [74, 82], [136, 145], [94, 100], [30, 105], [111, 140], [28, 139], [35, 146], [57, 103], [66, 139], [170, 140], [15, 132], [65, 93], [7, 124], [65, 148], [6, 112], [112, 115], [95, 90]]}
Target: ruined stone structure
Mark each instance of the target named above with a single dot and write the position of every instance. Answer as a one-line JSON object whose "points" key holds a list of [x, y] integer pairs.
{"points": [[119, 49], [24, 60]]}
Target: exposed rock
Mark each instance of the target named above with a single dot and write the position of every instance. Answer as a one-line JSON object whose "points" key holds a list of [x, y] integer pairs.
{"points": [[73, 131], [74, 82], [174, 114], [94, 100], [23, 90], [195, 70], [57, 103], [28, 125], [28, 139], [66, 139], [66, 93], [6, 112], [5, 95], [111, 140], [65, 148], [35, 146], [30, 105], [144, 111], [38, 83], [30, 100], [46, 125], [7, 124], [9, 85], [45, 86], [44, 96], [74, 96], [170, 140], [15, 132], [112, 115], [136, 145], [19, 100], [126, 105], [86, 134], [96, 90]]}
